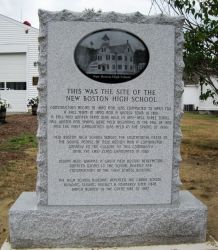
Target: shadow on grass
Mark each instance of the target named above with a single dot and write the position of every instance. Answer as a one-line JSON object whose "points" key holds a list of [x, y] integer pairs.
{"points": [[204, 144]]}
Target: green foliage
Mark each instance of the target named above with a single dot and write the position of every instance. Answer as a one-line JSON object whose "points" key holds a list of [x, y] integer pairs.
{"points": [[19, 143], [201, 42]]}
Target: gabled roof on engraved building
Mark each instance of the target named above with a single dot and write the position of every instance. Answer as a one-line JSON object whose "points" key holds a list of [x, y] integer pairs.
{"points": [[116, 48], [120, 48]]}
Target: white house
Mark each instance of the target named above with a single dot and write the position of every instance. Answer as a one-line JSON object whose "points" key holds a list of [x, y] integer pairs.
{"points": [[18, 63], [191, 101]]}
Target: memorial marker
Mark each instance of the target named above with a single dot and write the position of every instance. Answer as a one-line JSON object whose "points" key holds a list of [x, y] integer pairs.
{"points": [[110, 90], [116, 130]]}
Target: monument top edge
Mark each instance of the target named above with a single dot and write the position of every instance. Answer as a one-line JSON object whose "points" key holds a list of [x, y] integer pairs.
{"points": [[46, 16]]}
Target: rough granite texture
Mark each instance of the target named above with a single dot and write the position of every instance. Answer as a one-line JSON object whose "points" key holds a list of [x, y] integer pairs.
{"points": [[45, 17], [100, 226], [34, 224]]}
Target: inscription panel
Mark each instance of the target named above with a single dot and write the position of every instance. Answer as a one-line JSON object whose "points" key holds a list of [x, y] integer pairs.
{"points": [[108, 143]]}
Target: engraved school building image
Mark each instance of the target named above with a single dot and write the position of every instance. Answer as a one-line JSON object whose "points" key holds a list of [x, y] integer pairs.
{"points": [[116, 59], [111, 53]]}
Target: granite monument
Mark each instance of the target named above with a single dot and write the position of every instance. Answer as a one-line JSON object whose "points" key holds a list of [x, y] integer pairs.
{"points": [[109, 138]]}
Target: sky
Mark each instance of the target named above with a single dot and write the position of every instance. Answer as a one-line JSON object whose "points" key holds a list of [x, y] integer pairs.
{"points": [[27, 10], [116, 38]]}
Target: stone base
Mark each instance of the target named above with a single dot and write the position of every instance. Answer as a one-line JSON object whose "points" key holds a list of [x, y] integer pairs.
{"points": [[196, 246], [106, 226]]}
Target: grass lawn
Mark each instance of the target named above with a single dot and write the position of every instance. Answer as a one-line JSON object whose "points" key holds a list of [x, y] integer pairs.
{"points": [[198, 170], [199, 166]]}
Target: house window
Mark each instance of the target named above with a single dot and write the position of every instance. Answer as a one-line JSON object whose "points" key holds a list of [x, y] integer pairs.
{"points": [[2, 85], [128, 49], [125, 58], [99, 66], [120, 58], [108, 66], [125, 67], [119, 66], [102, 50], [113, 66], [35, 80], [131, 59], [131, 67], [16, 85], [107, 57], [188, 107], [113, 57], [99, 58]]}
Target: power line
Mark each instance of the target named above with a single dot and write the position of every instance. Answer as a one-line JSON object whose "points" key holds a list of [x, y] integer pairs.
{"points": [[151, 7], [158, 6], [162, 3], [21, 11]]}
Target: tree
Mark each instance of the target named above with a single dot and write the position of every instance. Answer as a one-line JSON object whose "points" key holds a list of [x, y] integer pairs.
{"points": [[201, 41], [139, 56]]}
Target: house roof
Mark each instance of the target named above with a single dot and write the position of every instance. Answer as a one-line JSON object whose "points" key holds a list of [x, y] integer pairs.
{"points": [[15, 21]]}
